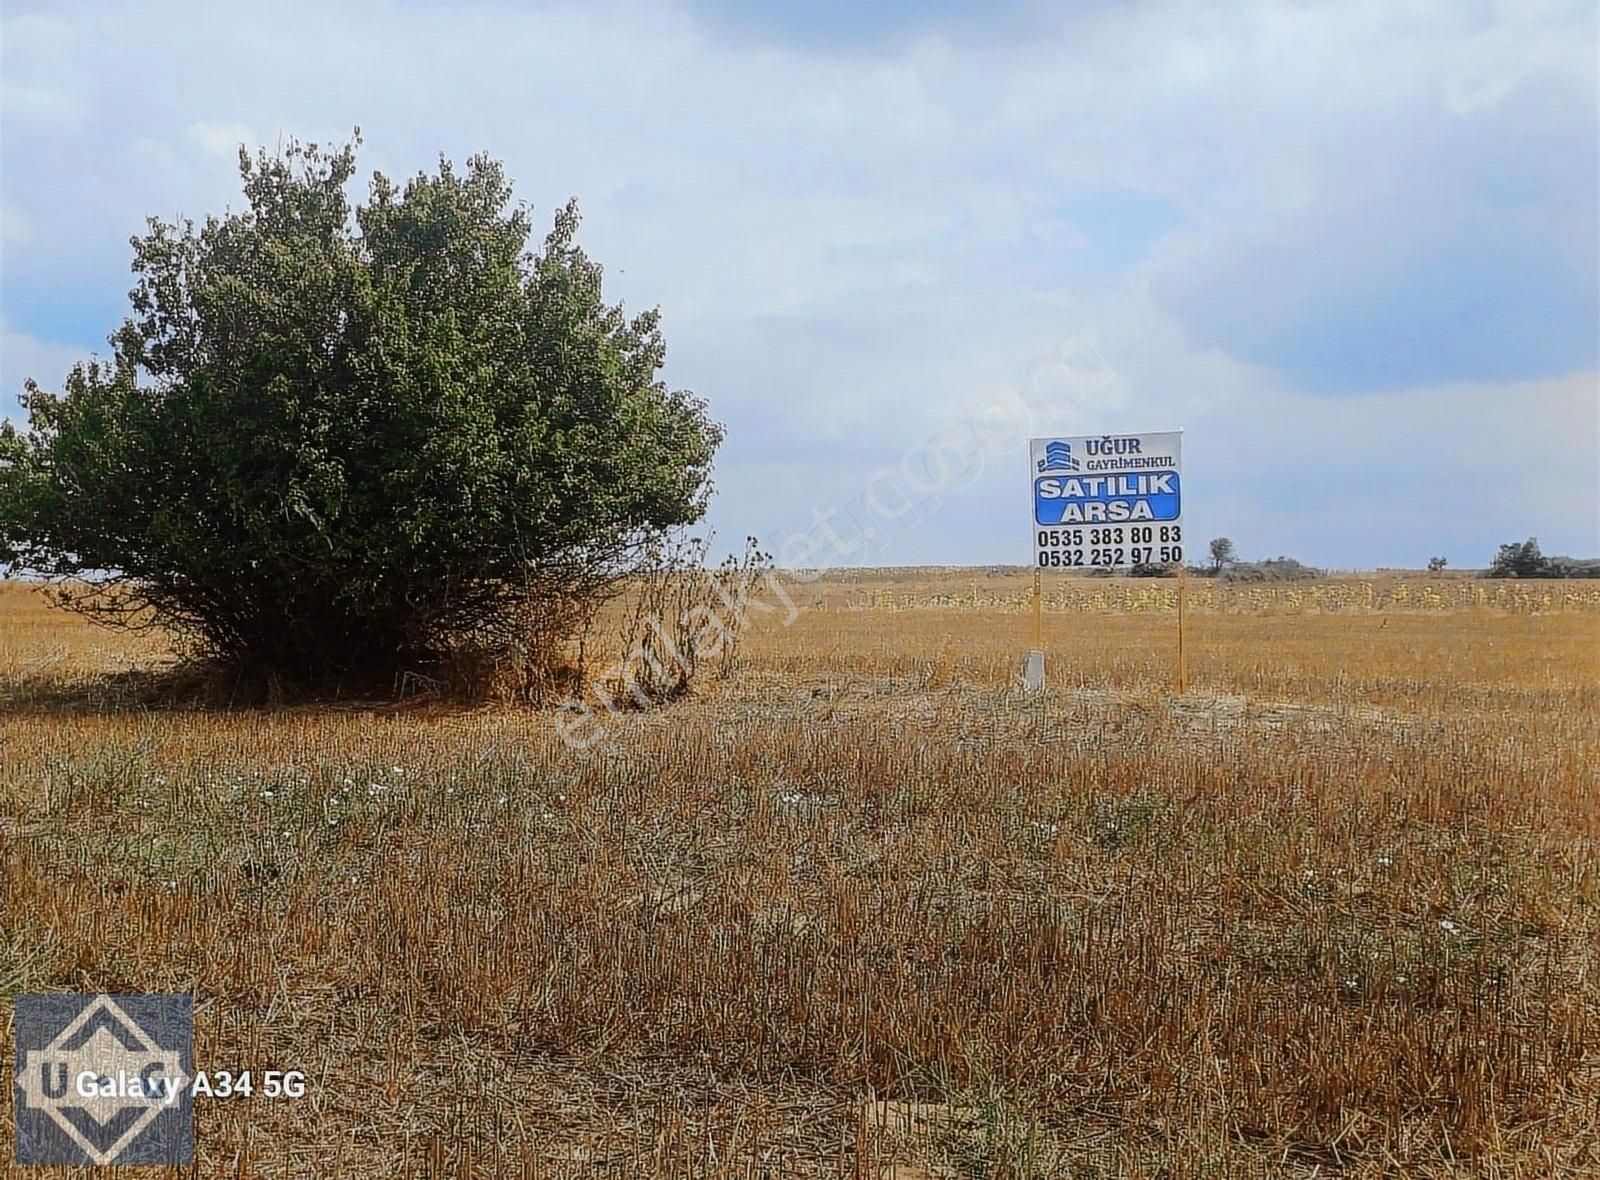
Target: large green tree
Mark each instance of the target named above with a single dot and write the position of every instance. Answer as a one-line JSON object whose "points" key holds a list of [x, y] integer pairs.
{"points": [[333, 444]]}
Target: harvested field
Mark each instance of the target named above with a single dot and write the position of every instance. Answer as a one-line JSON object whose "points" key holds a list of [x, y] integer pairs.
{"points": [[860, 907]]}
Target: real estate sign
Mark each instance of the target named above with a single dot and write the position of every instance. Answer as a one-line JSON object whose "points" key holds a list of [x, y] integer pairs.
{"points": [[1107, 501]]}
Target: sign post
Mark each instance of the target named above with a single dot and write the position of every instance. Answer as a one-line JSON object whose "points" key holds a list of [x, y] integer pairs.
{"points": [[1038, 609], [1108, 502], [1183, 659]]}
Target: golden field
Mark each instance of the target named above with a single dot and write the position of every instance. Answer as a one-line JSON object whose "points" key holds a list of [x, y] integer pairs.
{"points": [[859, 907]]}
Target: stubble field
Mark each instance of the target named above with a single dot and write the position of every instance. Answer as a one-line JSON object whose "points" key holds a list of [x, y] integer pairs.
{"points": [[861, 908]]}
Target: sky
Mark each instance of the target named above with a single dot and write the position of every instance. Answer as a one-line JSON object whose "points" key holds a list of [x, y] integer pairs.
{"points": [[1350, 249]]}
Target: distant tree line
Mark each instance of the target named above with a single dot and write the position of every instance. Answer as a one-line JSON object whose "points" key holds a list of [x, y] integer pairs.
{"points": [[1226, 567], [1518, 559], [1273, 569], [1522, 559]]}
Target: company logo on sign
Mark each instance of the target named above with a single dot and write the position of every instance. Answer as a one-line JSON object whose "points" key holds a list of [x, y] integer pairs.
{"points": [[1099, 499], [1058, 457]]}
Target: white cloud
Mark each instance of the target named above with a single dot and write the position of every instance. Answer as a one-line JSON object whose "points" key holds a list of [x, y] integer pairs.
{"points": [[14, 228], [847, 246], [48, 106], [23, 356], [42, 74], [222, 139]]}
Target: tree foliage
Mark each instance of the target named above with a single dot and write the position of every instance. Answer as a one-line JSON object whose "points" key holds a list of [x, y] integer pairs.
{"points": [[1519, 560], [1524, 559], [334, 443]]}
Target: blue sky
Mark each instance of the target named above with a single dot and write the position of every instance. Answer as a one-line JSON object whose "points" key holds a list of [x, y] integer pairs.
{"points": [[1351, 249]]}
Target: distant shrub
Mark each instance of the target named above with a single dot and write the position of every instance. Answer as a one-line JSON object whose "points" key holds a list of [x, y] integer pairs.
{"points": [[1573, 567], [1519, 560], [1151, 569], [1524, 560], [1275, 569]]}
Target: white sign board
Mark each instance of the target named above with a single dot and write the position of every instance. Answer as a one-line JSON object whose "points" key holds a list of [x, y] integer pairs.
{"points": [[1107, 501]]}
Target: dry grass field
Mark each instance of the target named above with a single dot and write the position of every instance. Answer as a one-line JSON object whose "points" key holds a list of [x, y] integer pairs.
{"points": [[860, 908]]}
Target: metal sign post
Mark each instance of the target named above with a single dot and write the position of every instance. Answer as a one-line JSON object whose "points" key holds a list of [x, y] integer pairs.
{"points": [[1183, 659]]}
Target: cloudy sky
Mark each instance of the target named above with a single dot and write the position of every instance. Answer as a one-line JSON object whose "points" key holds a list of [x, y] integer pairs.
{"points": [[1350, 249]]}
